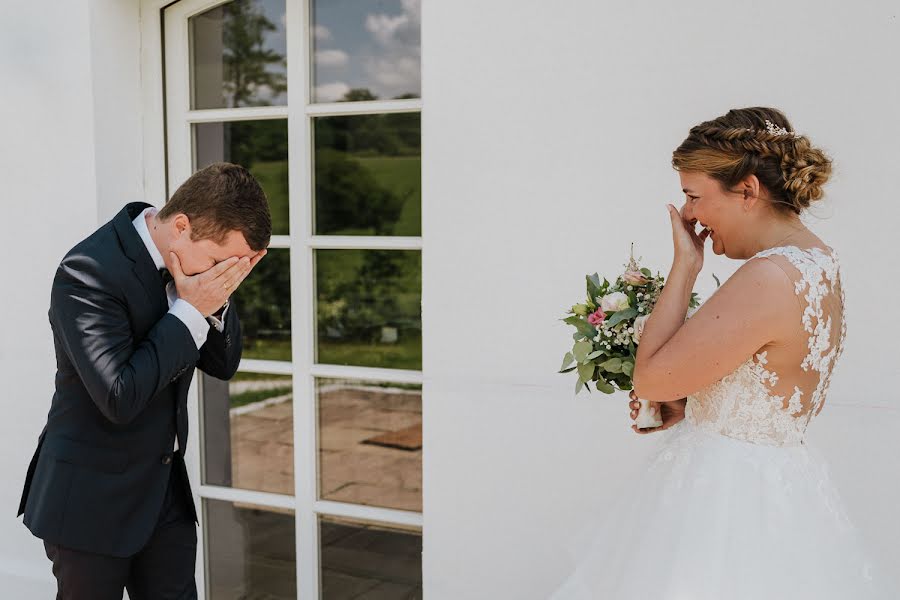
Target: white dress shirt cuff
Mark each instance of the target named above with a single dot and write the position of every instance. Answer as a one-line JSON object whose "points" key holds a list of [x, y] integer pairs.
{"points": [[192, 319]]}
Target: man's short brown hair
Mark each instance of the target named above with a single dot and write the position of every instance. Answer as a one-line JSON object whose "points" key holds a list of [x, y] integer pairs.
{"points": [[220, 198]]}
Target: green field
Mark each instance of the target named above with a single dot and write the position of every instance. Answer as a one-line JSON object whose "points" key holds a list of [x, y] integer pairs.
{"points": [[273, 178], [257, 396], [248, 376], [267, 349], [402, 175], [405, 354]]}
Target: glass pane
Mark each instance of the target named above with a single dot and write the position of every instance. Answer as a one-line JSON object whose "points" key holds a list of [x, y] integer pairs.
{"points": [[370, 443], [369, 308], [251, 551], [261, 146], [366, 50], [238, 54], [361, 560], [248, 432], [368, 174], [263, 302]]}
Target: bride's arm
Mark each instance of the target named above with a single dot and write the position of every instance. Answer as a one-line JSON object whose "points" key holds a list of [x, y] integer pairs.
{"points": [[755, 306], [667, 316]]}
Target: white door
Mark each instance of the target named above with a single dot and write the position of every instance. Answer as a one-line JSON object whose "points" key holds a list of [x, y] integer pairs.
{"points": [[307, 466]]}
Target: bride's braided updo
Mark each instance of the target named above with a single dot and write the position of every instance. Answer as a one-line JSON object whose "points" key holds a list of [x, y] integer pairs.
{"points": [[757, 141]]}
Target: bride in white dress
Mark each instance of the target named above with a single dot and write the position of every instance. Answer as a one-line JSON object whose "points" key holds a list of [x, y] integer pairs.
{"points": [[734, 505]]}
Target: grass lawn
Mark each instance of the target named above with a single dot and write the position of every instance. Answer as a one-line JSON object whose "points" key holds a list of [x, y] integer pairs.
{"points": [[252, 396], [402, 175], [399, 174], [405, 354], [248, 376], [263, 349], [273, 178]]}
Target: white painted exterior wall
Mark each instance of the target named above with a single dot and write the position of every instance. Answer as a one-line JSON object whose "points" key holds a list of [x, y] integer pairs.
{"points": [[546, 126], [71, 156], [551, 124]]}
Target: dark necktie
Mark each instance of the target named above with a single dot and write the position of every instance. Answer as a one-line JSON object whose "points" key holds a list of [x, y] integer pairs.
{"points": [[166, 276]]}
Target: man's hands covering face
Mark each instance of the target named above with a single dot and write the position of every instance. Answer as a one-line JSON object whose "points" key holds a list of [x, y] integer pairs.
{"points": [[209, 290]]}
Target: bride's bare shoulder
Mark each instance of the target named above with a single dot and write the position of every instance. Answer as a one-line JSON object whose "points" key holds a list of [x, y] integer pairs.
{"points": [[765, 283], [761, 269]]}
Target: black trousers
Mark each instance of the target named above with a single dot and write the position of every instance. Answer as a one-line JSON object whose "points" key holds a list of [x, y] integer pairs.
{"points": [[162, 570]]}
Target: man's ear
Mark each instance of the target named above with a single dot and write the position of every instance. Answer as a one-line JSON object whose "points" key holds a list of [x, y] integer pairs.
{"points": [[182, 224]]}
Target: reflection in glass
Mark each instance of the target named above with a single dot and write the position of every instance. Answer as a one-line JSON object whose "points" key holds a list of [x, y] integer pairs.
{"points": [[238, 54], [369, 310], [261, 146], [368, 560], [251, 551], [248, 432], [370, 443], [368, 175], [263, 302], [366, 50]]}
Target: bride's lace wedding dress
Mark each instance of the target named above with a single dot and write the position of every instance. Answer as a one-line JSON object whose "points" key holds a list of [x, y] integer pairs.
{"points": [[734, 505]]}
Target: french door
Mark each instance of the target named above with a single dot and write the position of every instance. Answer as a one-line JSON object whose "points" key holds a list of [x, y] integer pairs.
{"points": [[307, 466]]}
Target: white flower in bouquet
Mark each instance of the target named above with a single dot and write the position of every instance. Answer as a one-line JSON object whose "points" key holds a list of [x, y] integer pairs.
{"points": [[614, 301], [639, 328]]}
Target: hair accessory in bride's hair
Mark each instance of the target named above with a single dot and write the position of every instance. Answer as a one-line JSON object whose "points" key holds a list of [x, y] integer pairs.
{"points": [[776, 130]]}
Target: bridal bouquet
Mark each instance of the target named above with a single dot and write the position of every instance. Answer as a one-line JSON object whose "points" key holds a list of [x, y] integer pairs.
{"points": [[608, 328]]}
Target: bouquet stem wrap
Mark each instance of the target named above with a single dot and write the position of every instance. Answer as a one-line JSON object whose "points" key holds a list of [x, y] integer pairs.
{"points": [[646, 420]]}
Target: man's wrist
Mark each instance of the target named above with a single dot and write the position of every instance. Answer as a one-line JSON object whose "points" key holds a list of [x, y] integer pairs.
{"points": [[192, 318]]}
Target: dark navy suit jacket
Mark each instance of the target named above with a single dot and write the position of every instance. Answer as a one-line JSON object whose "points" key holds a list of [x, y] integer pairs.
{"points": [[97, 480]]}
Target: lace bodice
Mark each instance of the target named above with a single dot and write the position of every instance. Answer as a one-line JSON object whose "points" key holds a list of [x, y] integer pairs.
{"points": [[745, 404]]}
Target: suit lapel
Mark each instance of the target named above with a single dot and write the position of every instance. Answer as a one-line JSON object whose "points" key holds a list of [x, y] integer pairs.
{"points": [[144, 267]]}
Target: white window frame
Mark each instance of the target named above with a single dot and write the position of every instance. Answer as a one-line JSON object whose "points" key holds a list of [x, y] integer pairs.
{"points": [[166, 123]]}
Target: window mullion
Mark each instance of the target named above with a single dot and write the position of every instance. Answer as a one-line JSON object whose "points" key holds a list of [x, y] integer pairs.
{"points": [[299, 54]]}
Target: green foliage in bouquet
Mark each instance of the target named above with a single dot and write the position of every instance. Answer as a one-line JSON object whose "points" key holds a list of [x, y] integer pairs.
{"points": [[608, 326]]}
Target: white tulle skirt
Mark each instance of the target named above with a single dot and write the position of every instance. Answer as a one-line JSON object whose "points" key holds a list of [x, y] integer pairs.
{"points": [[715, 518]]}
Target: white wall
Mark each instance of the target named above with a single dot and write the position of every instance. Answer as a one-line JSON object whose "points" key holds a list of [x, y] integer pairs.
{"points": [[548, 131], [116, 82], [70, 76]]}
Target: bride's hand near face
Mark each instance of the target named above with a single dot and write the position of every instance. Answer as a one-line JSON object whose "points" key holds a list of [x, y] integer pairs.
{"points": [[688, 244]]}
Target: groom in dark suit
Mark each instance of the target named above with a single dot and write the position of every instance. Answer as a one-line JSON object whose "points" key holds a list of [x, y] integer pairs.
{"points": [[133, 309]]}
